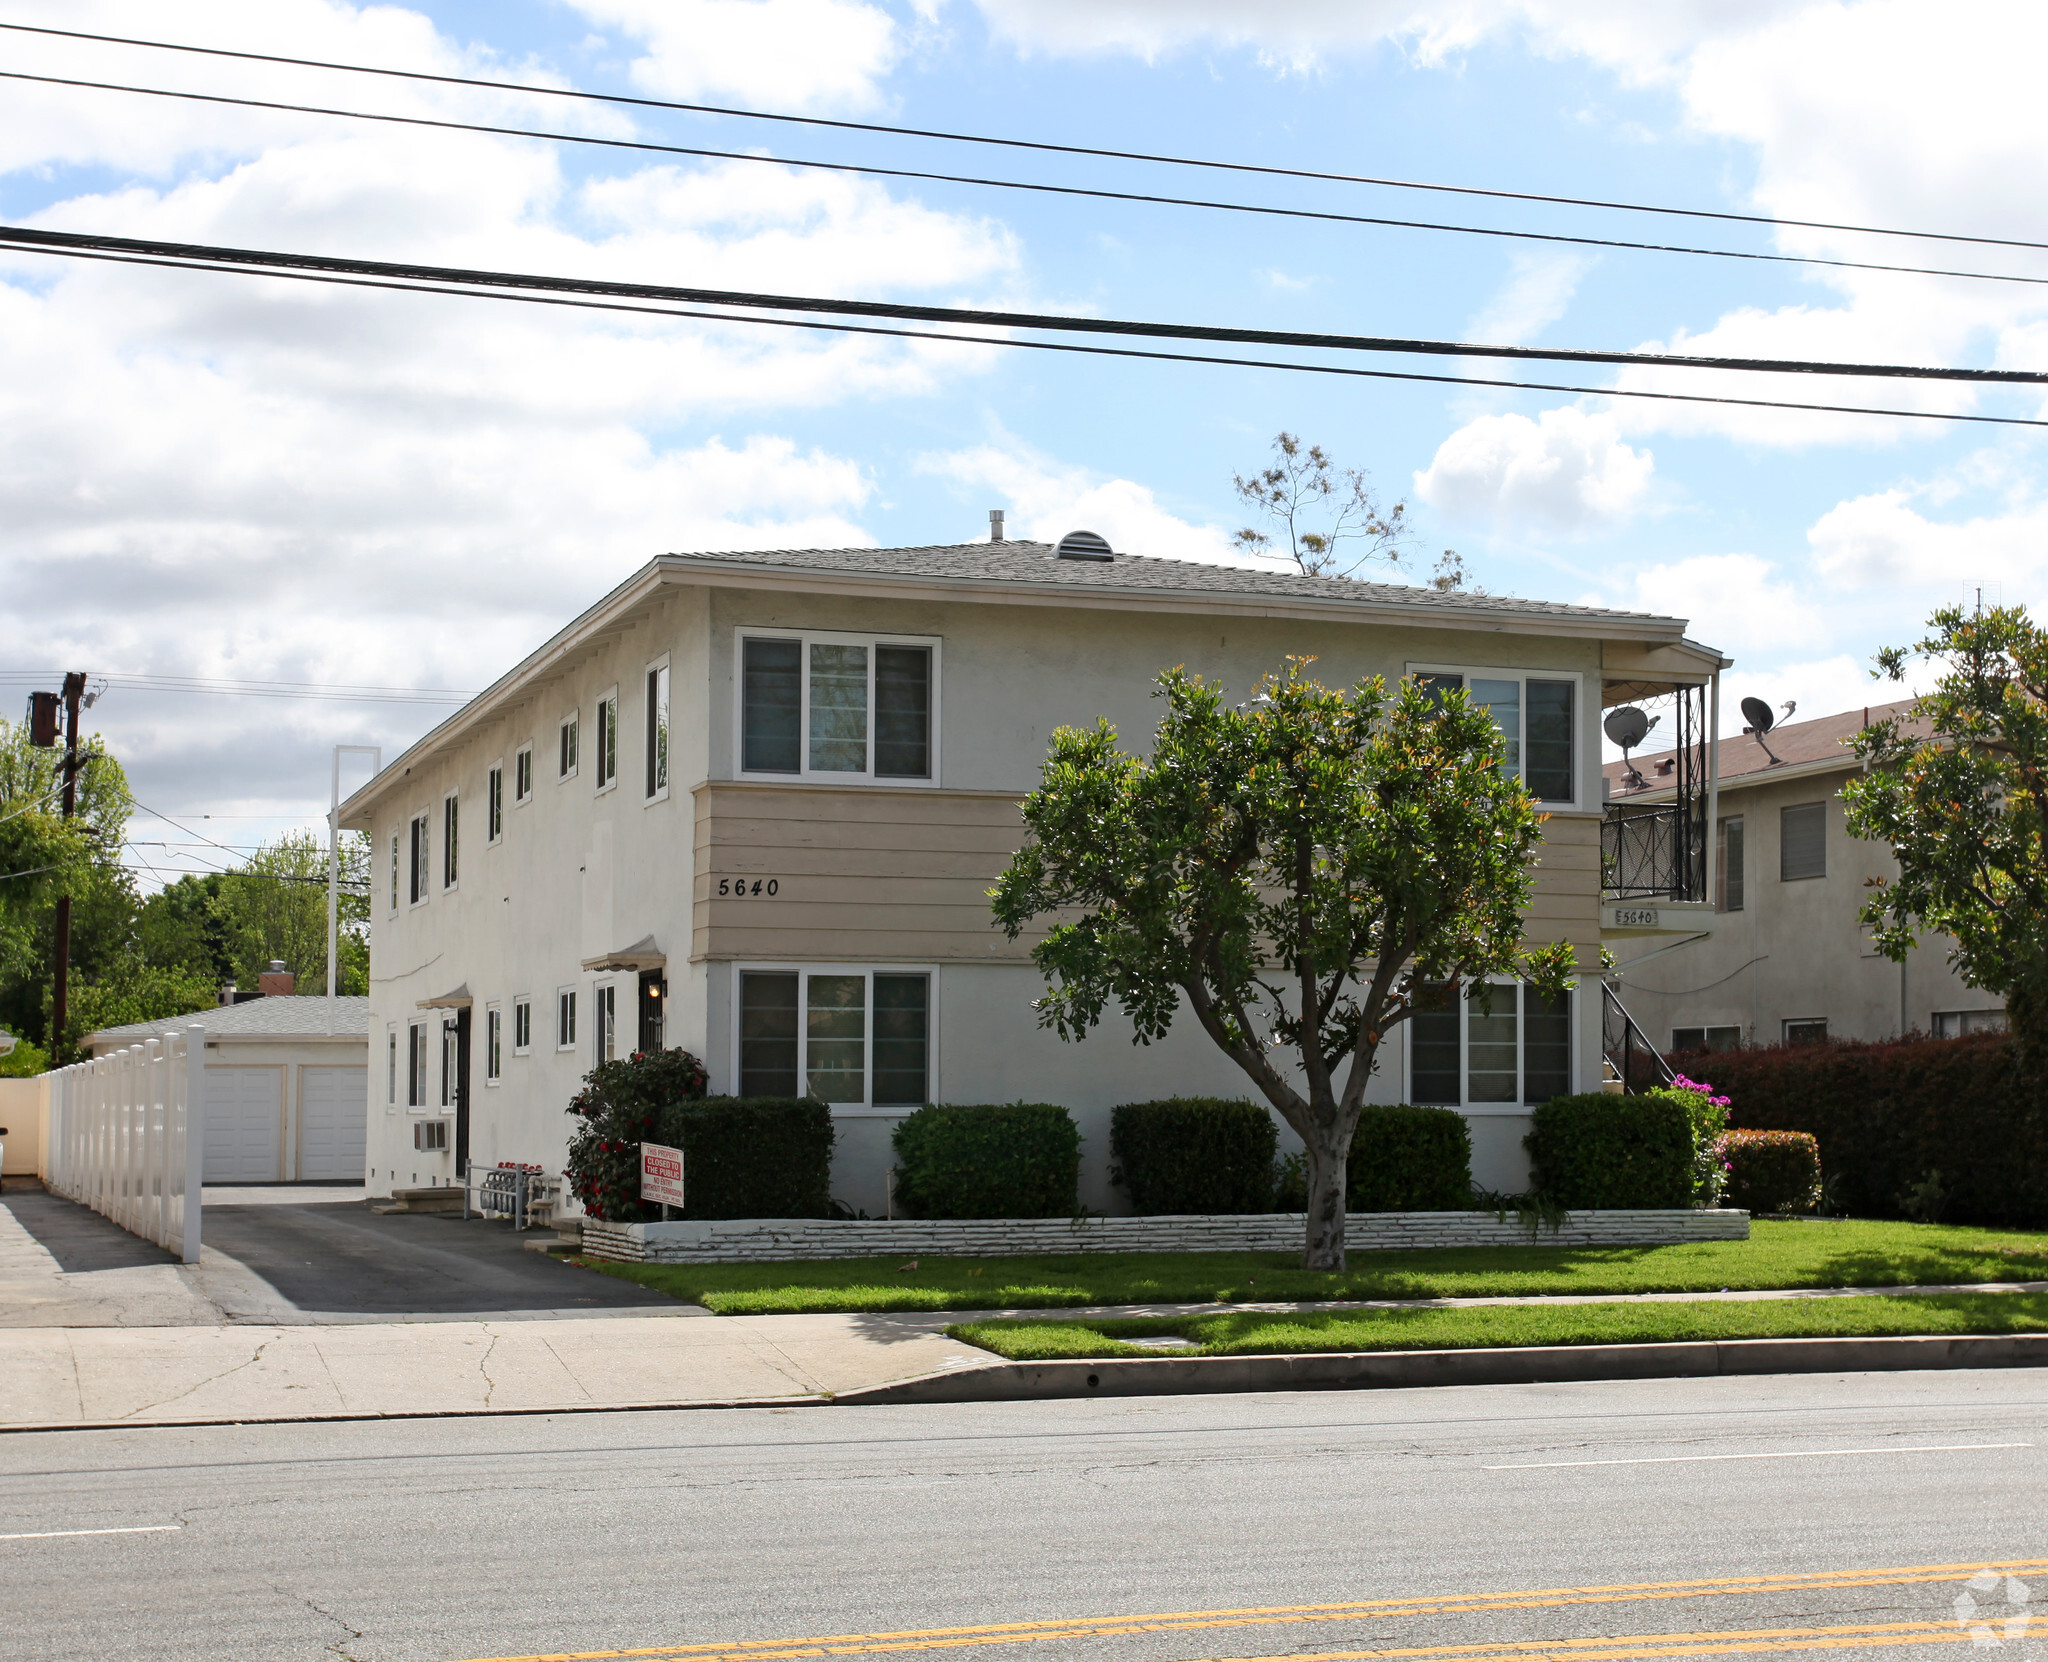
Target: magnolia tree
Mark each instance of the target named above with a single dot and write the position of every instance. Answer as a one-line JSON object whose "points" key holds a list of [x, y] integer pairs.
{"points": [[1295, 872], [1959, 788]]}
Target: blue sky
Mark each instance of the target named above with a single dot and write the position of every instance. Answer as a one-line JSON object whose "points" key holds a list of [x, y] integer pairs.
{"points": [[229, 477]]}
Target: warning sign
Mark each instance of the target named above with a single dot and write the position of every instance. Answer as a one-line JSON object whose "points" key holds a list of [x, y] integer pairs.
{"points": [[661, 1175]]}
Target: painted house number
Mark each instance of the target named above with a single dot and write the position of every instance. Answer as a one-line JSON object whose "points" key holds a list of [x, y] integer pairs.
{"points": [[1635, 917], [740, 887]]}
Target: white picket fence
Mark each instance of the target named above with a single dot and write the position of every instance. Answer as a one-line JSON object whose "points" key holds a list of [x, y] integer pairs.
{"points": [[127, 1132]]}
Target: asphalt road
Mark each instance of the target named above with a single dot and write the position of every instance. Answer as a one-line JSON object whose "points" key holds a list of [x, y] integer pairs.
{"points": [[1221, 1517]]}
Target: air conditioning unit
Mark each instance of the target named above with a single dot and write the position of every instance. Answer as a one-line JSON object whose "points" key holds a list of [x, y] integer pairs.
{"points": [[430, 1136]]}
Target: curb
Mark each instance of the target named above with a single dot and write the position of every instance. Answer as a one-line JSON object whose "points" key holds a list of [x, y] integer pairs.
{"points": [[1399, 1369]]}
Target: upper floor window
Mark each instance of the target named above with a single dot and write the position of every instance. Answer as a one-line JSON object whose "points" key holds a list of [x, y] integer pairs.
{"points": [[416, 885], [394, 871], [1503, 1045], [494, 803], [1536, 715], [522, 774], [850, 1037], [1728, 865], [565, 1018], [451, 841], [1802, 841], [608, 741], [657, 730], [565, 747], [838, 707], [522, 1025]]}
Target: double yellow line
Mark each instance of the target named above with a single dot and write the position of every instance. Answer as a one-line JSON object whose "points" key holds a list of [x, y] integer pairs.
{"points": [[1731, 1642]]}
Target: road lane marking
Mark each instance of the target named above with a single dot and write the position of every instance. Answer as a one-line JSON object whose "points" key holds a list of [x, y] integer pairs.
{"points": [[1085, 1627], [1788, 1454], [57, 1534]]}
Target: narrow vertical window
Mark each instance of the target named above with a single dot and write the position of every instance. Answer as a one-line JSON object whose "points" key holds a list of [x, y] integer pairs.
{"points": [[1491, 1048], [771, 707], [768, 1034], [903, 712], [450, 842], [1728, 872], [657, 730], [522, 1026], [1503, 701], [1547, 756], [565, 1019], [494, 804], [522, 774], [835, 1037], [839, 709], [1435, 1071], [390, 1066], [605, 1021], [1546, 1045], [416, 1066], [566, 747], [607, 742], [416, 885], [449, 1075], [394, 871], [494, 1049], [902, 1039]]}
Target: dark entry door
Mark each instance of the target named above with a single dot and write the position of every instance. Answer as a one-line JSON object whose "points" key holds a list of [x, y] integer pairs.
{"points": [[653, 999], [462, 1025]]}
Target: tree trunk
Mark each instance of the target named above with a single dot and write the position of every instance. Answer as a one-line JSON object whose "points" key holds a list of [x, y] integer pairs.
{"points": [[1325, 1220]]}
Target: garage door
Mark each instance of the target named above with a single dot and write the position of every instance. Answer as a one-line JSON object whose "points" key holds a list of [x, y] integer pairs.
{"points": [[244, 1111], [333, 1113]]}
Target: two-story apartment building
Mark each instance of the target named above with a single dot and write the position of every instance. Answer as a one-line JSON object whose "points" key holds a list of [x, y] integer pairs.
{"points": [[751, 804], [1785, 959]]}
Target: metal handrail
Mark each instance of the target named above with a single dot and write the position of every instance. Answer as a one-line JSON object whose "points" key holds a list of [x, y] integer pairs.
{"points": [[1624, 1044]]}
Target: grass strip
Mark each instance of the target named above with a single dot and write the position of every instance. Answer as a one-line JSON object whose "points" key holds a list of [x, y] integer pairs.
{"points": [[1248, 1333], [1817, 1253]]}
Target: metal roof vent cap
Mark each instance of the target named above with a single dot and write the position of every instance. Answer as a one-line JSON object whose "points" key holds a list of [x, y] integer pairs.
{"points": [[1084, 545]]}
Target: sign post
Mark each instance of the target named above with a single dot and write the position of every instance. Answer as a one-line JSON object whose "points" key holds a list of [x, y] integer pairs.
{"points": [[661, 1176]]}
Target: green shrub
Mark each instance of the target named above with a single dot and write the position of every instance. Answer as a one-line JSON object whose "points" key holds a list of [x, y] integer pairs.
{"points": [[1595, 1150], [1771, 1171], [1408, 1159], [991, 1160], [743, 1157], [1890, 1115], [1204, 1155]]}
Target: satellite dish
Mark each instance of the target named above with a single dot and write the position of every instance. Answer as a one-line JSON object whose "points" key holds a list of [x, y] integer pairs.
{"points": [[1759, 715], [1627, 727]]}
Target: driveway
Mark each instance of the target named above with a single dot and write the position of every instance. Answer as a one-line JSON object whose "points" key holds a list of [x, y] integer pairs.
{"points": [[290, 1256]]}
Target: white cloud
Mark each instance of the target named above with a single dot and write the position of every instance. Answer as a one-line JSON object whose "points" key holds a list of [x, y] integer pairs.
{"points": [[1883, 539], [1740, 603], [1538, 289], [1566, 473], [1819, 687], [775, 54]]}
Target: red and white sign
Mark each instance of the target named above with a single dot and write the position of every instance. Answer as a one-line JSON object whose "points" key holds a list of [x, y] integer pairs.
{"points": [[661, 1175]]}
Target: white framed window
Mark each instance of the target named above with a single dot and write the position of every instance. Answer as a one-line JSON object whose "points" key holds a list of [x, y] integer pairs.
{"points": [[839, 709], [451, 841], [494, 805], [1954, 1024], [604, 1022], [1499, 1049], [394, 871], [565, 1018], [416, 1065], [451, 1062], [522, 1025], [606, 734], [1537, 712], [566, 736], [1806, 1030], [1706, 1038], [859, 1038], [657, 730], [421, 857], [494, 1044], [522, 775], [390, 1065]]}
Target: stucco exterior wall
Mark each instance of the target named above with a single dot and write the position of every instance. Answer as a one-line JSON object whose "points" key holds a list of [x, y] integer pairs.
{"points": [[1795, 951]]}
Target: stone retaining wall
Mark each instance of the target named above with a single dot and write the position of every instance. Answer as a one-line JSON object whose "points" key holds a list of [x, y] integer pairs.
{"points": [[759, 1240]]}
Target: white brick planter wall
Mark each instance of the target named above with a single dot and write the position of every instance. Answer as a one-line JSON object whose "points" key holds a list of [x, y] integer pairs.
{"points": [[760, 1240]]}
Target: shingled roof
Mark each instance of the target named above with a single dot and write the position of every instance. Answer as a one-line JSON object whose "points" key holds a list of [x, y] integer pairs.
{"points": [[256, 1020], [1798, 744]]}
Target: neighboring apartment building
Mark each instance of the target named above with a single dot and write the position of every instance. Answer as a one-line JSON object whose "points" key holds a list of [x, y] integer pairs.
{"points": [[751, 804], [1787, 960]]}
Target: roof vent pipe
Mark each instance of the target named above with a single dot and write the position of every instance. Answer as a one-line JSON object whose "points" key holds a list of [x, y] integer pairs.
{"points": [[995, 525], [1084, 545]]}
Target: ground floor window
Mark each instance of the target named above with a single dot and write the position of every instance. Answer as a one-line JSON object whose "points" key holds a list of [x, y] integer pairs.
{"points": [[1706, 1038], [1807, 1030], [494, 1047], [853, 1037], [416, 1066], [605, 1007], [451, 1065], [1501, 1044], [1953, 1024]]}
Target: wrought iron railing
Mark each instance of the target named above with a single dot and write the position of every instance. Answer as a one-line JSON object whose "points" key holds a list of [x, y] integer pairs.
{"points": [[1631, 1058], [1654, 851]]}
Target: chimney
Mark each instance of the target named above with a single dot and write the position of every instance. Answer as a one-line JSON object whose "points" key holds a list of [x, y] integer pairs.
{"points": [[995, 525], [276, 981], [227, 993]]}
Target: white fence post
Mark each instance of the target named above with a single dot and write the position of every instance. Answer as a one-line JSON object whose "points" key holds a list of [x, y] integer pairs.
{"points": [[192, 1138]]}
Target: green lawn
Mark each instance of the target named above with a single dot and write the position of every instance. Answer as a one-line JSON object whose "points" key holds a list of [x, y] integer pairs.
{"points": [[1247, 1333], [1827, 1253]]}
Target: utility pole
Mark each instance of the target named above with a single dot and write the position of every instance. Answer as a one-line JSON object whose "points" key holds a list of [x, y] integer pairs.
{"points": [[74, 689]]}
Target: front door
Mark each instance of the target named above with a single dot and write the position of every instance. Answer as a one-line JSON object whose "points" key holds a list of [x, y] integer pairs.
{"points": [[462, 1025]]}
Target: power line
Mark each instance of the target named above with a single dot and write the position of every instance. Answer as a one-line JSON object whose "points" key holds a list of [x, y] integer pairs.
{"points": [[625, 101], [1039, 187], [72, 242], [336, 691], [1054, 346]]}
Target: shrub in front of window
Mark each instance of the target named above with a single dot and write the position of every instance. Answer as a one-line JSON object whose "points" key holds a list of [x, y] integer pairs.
{"points": [[991, 1160], [1771, 1171], [1594, 1151], [1205, 1156], [1409, 1159], [621, 1106]]}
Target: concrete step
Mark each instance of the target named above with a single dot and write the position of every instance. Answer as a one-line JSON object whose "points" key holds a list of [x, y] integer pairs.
{"points": [[420, 1200]]}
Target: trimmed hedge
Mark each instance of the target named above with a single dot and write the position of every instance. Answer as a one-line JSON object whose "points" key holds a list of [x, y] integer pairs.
{"points": [[1202, 1155], [1595, 1150], [1771, 1171], [990, 1160], [1409, 1159], [1888, 1115], [743, 1157]]}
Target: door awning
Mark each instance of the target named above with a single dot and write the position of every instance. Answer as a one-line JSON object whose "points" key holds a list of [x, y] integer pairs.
{"points": [[643, 954], [457, 999]]}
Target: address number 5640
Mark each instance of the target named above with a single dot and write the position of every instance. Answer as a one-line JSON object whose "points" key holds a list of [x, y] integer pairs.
{"points": [[739, 887]]}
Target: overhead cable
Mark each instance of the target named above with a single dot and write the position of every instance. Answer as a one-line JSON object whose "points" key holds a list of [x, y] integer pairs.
{"points": [[337, 691], [1038, 187], [808, 323], [631, 102]]}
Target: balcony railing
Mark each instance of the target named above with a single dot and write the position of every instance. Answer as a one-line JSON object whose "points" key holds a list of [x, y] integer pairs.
{"points": [[1654, 851]]}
